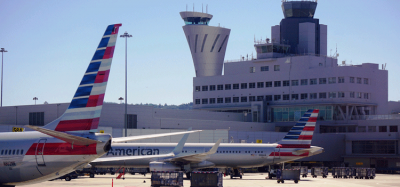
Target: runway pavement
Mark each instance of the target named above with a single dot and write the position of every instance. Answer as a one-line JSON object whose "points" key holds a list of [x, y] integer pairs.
{"points": [[249, 180]]}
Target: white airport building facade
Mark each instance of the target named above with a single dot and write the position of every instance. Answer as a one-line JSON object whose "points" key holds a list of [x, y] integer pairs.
{"points": [[262, 97]]}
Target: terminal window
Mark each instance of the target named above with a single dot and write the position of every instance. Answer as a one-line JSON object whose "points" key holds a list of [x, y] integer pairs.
{"points": [[197, 88], [340, 94], [352, 94], [268, 84], [332, 80], [332, 94], [264, 68], [220, 87], [252, 85], [351, 79], [36, 118], [197, 101], [220, 100], [313, 81], [365, 81], [393, 129], [252, 69], [366, 96], [285, 97], [371, 128], [358, 80], [235, 86], [322, 80], [359, 95], [295, 96], [260, 98], [260, 84], [227, 86], [277, 68], [212, 87], [243, 86], [268, 97], [286, 83], [204, 101], [277, 83], [304, 82], [227, 100], [382, 128], [322, 95], [375, 147], [341, 79], [243, 99], [235, 99], [295, 82], [277, 97], [131, 121], [303, 96], [212, 100], [362, 129], [313, 95], [204, 88], [252, 98]]}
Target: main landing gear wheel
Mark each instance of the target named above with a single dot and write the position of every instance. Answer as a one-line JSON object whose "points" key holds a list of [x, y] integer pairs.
{"points": [[67, 178], [91, 175]]}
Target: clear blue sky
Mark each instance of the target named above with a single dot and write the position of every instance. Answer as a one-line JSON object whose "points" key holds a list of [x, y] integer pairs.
{"points": [[50, 43]]}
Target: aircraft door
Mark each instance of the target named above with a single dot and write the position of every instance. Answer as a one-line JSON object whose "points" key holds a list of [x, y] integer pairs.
{"points": [[39, 152]]}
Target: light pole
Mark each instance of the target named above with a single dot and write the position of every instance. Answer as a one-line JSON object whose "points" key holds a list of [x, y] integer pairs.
{"points": [[35, 98], [126, 36], [120, 100], [2, 52]]}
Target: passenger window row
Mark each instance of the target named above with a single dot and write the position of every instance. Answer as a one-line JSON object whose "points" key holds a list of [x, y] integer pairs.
{"points": [[285, 83], [239, 151], [12, 152]]}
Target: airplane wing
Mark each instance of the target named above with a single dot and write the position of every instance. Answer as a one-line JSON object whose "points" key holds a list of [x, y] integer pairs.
{"points": [[132, 138], [195, 158], [177, 150], [75, 140]]}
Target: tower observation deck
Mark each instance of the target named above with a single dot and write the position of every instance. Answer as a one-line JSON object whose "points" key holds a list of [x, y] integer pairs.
{"points": [[206, 43]]}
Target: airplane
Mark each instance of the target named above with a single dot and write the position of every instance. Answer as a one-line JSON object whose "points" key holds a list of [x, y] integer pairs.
{"points": [[71, 141], [157, 156]]}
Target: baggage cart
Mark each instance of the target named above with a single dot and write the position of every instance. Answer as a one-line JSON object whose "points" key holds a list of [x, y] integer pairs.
{"points": [[339, 172], [360, 173], [353, 172], [319, 171], [303, 170], [288, 174], [206, 179], [165, 178], [370, 173]]}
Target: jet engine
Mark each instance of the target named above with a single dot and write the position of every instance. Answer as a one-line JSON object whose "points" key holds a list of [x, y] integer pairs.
{"points": [[163, 166]]}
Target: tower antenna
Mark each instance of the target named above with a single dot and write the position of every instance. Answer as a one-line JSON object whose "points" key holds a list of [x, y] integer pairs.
{"points": [[202, 8], [207, 8], [186, 7], [193, 7]]}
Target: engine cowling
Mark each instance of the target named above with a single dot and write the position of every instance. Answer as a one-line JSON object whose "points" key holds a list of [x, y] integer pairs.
{"points": [[163, 166]]}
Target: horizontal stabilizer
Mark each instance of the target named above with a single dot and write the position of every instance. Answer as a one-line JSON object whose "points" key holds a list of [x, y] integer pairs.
{"points": [[74, 140], [312, 151], [133, 138]]}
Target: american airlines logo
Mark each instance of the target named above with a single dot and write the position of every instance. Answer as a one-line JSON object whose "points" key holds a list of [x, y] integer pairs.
{"points": [[132, 152]]}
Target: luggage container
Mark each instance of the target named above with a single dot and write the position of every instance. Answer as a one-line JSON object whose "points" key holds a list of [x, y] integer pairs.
{"points": [[165, 178], [370, 173], [206, 179], [288, 174], [303, 170], [339, 172], [319, 171], [360, 173]]}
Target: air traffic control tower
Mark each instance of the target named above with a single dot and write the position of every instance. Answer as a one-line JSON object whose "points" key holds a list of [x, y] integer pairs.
{"points": [[207, 43]]}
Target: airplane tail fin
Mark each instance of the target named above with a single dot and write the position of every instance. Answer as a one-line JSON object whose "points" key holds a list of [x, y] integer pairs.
{"points": [[301, 134], [83, 113]]}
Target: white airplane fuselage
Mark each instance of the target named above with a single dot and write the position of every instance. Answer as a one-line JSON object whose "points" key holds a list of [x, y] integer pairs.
{"points": [[236, 155], [31, 157]]}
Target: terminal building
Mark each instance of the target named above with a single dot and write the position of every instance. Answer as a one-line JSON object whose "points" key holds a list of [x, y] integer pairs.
{"points": [[261, 98]]}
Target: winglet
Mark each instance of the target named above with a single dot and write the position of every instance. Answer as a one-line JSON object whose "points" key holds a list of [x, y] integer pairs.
{"points": [[215, 147], [179, 147]]}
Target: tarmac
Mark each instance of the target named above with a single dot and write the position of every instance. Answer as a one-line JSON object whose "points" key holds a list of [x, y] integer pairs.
{"points": [[249, 180]]}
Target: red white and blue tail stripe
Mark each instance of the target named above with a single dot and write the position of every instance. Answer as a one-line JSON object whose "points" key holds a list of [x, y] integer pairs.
{"points": [[83, 113], [301, 134]]}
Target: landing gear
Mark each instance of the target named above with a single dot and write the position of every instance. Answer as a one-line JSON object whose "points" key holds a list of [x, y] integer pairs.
{"points": [[91, 175], [67, 178], [188, 175], [236, 173]]}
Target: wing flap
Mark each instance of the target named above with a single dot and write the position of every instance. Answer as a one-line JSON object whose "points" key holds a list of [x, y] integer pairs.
{"points": [[133, 138], [124, 158], [194, 158]]}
